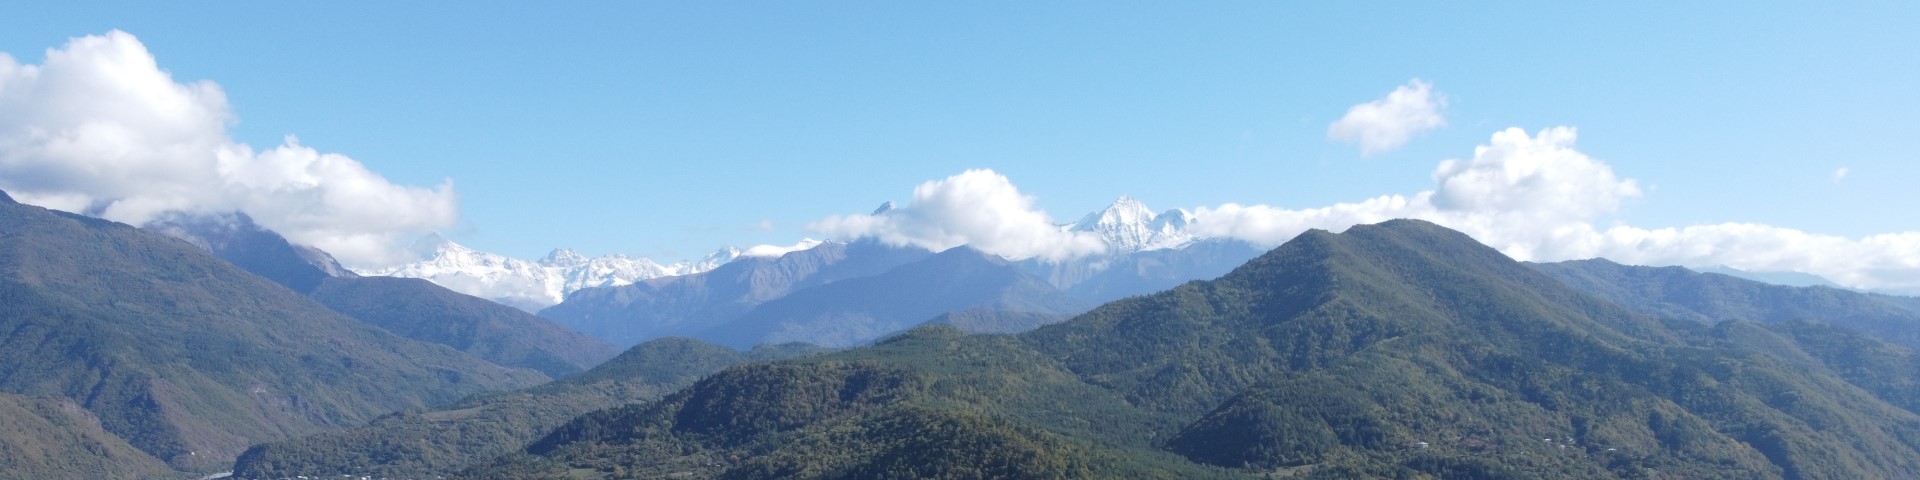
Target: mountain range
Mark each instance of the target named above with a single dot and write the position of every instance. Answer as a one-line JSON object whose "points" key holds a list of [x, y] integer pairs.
{"points": [[534, 285], [1401, 350], [413, 308], [1127, 227], [186, 357], [1398, 350], [843, 294]]}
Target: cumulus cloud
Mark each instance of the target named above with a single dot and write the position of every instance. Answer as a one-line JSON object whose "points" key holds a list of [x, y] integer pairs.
{"points": [[1388, 123], [1532, 196], [101, 129], [1535, 197], [1841, 174], [980, 208]]}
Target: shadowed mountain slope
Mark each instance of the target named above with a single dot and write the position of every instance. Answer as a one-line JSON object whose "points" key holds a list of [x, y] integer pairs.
{"points": [[191, 359], [854, 311], [690, 304], [415, 309], [420, 310]]}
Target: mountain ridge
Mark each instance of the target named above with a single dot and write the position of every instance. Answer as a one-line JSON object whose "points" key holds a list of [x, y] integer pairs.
{"points": [[412, 308], [189, 358], [1393, 350]]}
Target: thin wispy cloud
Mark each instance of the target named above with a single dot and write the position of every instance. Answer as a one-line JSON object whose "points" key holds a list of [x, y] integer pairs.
{"points": [[1841, 174], [1388, 123], [101, 129]]}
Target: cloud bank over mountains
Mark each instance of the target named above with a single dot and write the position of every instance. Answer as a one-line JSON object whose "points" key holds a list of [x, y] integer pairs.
{"points": [[101, 129], [981, 208], [1533, 196]]}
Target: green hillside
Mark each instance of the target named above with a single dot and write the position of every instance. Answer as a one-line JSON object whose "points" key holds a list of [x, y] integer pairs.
{"points": [[424, 443], [1397, 350], [56, 438], [187, 357]]}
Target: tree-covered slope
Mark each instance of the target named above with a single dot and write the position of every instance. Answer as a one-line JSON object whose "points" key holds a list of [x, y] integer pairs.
{"points": [[1396, 350], [56, 438], [444, 441], [420, 310], [191, 359]]}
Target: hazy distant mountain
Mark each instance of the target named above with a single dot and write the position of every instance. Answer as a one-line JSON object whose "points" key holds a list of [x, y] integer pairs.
{"points": [[420, 310], [1147, 253], [534, 285], [235, 238], [1150, 271], [412, 308], [1398, 350], [191, 359], [857, 310], [1791, 279], [1683, 294], [688, 305]]}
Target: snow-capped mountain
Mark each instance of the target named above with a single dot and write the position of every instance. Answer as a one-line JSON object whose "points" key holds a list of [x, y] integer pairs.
{"points": [[534, 285], [1128, 226]]}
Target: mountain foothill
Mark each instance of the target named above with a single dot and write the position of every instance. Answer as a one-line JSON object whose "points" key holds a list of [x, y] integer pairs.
{"points": [[205, 344]]}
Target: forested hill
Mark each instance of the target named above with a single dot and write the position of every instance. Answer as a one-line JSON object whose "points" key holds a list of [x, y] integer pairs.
{"points": [[443, 441], [1388, 351], [190, 359]]}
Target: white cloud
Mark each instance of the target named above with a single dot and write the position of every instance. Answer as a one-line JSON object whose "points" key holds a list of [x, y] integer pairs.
{"points": [[1841, 174], [1386, 124], [775, 251], [101, 129], [1537, 198], [980, 208], [1534, 197]]}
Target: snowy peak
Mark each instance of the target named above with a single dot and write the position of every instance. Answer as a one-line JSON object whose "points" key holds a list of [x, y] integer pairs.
{"points": [[433, 244], [1124, 211], [1171, 220], [563, 257], [534, 285], [1129, 226]]}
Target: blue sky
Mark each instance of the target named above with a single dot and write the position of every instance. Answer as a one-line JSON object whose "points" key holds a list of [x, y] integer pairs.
{"points": [[666, 130]]}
